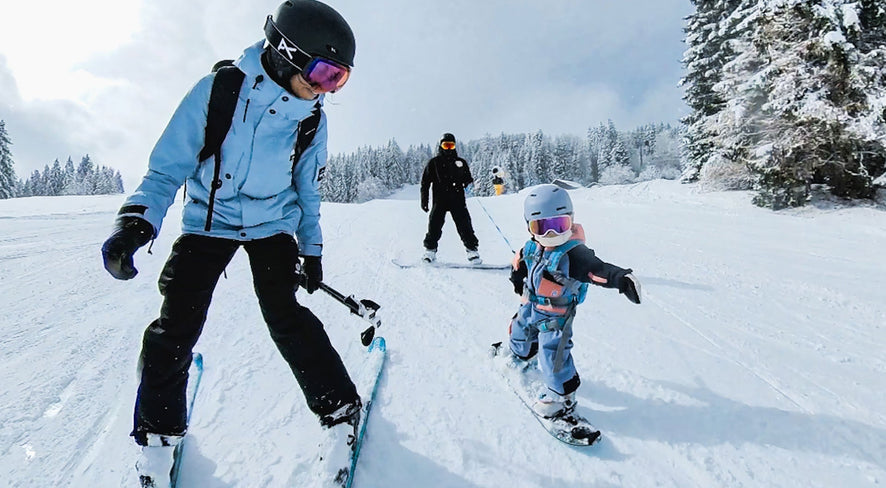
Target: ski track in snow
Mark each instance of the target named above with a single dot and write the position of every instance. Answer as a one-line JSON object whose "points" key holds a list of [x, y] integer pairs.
{"points": [[756, 359]]}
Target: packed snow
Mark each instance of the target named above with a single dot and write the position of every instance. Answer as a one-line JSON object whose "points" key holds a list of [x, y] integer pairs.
{"points": [[756, 360]]}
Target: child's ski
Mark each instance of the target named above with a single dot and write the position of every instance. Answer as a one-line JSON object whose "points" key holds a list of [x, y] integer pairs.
{"points": [[448, 265], [525, 381]]}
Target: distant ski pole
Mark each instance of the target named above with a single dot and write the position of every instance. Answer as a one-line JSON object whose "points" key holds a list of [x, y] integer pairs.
{"points": [[363, 308], [502, 234]]}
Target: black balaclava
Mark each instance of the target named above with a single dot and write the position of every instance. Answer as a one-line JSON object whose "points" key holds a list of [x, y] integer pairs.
{"points": [[280, 70], [450, 153]]}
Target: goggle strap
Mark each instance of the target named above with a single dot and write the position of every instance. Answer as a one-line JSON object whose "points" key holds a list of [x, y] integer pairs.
{"points": [[285, 47]]}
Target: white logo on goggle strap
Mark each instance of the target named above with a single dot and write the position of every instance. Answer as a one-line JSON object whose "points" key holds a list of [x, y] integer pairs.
{"points": [[283, 47]]}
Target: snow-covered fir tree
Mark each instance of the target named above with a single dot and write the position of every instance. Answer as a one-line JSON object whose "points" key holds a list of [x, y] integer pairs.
{"points": [[803, 95], [708, 49], [8, 180]]}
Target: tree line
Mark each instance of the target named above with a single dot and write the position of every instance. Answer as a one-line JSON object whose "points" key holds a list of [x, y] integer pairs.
{"points": [[603, 155], [86, 178]]}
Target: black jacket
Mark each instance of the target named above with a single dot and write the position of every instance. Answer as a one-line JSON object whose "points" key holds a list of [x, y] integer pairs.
{"points": [[449, 175]]}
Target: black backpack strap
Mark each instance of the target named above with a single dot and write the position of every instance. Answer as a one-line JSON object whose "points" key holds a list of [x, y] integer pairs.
{"points": [[222, 104], [306, 131]]}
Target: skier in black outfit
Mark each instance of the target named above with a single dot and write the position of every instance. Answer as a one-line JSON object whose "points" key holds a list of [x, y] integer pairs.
{"points": [[449, 175]]}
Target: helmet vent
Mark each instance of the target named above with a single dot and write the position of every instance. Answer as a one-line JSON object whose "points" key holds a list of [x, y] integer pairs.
{"points": [[560, 208]]}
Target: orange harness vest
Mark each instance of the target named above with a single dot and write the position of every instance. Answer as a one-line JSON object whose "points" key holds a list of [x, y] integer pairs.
{"points": [[559, 295]]}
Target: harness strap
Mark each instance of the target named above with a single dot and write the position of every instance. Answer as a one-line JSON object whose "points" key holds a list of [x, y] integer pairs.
{"points": [[547, 301], [565, 337], [574, 290]]}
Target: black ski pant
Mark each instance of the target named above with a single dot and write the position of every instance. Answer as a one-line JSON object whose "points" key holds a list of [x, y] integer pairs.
{"points": [[186, 283], [459, 210]]}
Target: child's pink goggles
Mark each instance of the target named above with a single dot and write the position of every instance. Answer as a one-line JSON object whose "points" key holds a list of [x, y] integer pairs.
{"points": [[558, 225]]}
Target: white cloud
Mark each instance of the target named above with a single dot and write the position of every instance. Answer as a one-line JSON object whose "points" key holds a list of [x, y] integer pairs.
{"points": [[467, 67]]}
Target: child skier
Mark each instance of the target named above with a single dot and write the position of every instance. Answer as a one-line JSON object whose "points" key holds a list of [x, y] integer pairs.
{"points": [[551, 273]]}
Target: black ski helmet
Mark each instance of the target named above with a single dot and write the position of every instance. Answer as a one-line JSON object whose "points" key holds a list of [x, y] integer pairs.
{"points": [[314, 28], [447, 137]]}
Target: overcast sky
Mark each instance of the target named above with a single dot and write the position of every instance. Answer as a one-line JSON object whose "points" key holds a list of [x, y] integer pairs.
{"points": [[103, 76]]}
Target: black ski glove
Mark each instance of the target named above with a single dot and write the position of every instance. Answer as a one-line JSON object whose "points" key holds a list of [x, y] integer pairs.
{"points": [[518, 284], [313, 270], [424, 206], [629, 285], [130, 233], [517, 276]]}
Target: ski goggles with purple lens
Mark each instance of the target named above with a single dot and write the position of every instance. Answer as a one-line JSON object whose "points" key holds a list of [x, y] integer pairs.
{"points": [[321, 73], [557, 225]]}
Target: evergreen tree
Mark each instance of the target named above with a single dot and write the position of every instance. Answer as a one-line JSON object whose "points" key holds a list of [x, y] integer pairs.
{"points": [[8, 180], [619, 156], [596, 143], [34, 184], [808, 106], [56, 179], [565, 159], [69, 176], [535, 158], [709, 32]]}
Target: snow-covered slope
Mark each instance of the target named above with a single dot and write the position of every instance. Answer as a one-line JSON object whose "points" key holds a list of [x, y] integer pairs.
{"points": [[757, 359]]}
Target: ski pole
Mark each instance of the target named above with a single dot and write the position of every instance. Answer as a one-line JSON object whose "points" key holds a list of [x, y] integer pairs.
{"points": [[363, 308], [502, 234]]}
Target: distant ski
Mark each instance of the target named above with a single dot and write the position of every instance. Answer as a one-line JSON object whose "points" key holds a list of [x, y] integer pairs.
{"points": [[572, 429], [567, 184], [448, 265], [194, 377]]}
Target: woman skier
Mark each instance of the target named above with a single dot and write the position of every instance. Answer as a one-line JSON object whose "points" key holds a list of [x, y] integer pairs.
{"points": [[263, 190]]}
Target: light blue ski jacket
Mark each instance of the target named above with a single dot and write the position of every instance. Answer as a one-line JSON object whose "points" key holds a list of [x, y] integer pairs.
{"points": [[260, 194]]}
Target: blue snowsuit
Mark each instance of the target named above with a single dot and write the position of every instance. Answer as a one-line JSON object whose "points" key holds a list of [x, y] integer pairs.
{"points": [[266, 195], [554, 283]]}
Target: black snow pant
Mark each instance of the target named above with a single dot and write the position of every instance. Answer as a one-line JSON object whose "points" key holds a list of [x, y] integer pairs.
{"points": [[459, 210], [186, 283]]}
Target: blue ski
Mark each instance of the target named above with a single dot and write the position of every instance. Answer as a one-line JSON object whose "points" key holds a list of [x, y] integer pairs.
{"points": [[195, 374], [367, 380]]}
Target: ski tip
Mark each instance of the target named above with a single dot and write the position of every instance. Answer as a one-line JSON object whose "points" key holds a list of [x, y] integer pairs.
{"points": [[198, 360], [378, 343]]}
